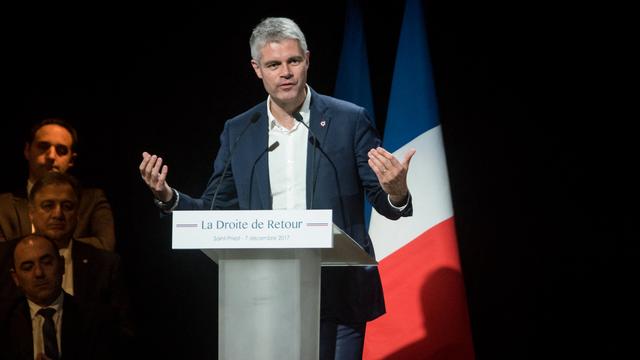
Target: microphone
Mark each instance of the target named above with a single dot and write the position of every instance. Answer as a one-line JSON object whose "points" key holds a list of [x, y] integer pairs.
{"points": [[273, 146], [254, 118], [298, 117], [316, 144], [253, 168]]}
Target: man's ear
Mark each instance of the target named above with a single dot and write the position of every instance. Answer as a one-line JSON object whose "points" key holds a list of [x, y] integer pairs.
{"points": [[15, 277], [27, 146], [256, 68], [73, 159], [30, 211]]}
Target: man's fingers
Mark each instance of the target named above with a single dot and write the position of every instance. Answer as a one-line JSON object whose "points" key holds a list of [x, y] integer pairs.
{"points": [[155, 171], [152, 170], [162, 177], [377, 170], [377, 160], [149, 169], [407, 158], [145, 160], [383, 152]]}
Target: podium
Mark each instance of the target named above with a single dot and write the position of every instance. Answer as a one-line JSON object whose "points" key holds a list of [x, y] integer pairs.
{"points": [[269, 276]]}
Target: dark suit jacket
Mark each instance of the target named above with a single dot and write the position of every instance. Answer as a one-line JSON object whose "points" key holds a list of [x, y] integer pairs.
{"points": [[88, 331], [95, 223], [97, 278], [345, 134]]}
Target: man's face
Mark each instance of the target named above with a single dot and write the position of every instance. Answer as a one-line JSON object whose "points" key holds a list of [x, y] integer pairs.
{"points": [[50, 150], [283, 69], [54, 212], [38, 270]]}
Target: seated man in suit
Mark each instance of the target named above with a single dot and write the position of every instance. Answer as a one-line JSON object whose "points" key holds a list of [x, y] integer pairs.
{"points": [[51, 148], [91, 275], [47, 323]]}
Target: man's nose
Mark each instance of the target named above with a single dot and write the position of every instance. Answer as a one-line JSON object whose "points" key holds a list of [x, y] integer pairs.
{"points": [[37, 271], [57, 211], [51, 153], [286, 71]]}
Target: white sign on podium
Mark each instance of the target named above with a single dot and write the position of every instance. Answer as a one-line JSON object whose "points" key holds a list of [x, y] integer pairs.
{"points": [[252, 229]]}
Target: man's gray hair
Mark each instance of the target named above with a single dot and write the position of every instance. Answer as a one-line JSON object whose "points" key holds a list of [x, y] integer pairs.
{"points": [[275, 29]]}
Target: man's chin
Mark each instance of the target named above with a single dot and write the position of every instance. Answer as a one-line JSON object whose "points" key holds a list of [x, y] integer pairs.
{"points": [[46, 296], [42, 171], [58, 236]]}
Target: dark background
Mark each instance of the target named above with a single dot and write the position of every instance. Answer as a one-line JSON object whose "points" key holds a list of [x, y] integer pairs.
{"points": [[538, 148]]}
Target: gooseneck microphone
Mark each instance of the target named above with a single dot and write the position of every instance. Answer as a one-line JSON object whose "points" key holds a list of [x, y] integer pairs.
{"points": [[298, 117], [253, 168], [254, 118], [316, 144]]}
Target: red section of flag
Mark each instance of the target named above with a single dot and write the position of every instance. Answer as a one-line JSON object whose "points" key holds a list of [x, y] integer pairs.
{"points": [[426, 306]]}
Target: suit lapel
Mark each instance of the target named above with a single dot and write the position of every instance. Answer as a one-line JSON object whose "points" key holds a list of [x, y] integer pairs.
{"points": [[22, 209], [319, 124], [259, 158], [22, 331], [81, 261]]}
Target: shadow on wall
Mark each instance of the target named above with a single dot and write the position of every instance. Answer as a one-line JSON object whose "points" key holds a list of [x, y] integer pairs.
{"points": [[445, 337]]}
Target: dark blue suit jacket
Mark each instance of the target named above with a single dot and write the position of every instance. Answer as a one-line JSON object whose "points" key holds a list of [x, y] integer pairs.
{"points": [[343, 177]]}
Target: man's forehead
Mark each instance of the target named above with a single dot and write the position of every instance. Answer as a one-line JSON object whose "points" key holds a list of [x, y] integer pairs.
{"points": [[53, 132], [33, 248], [61, 192]]}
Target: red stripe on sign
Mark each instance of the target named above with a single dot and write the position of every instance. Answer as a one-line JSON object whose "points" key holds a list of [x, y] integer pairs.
{"points": [[426, 305]]}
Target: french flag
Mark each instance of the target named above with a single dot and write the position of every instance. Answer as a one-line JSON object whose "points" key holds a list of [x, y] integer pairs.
{"points": [[418, 256]]}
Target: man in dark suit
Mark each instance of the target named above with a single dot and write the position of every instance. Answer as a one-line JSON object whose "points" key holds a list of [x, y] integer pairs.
{"points": [[47, 323], [331, 166], [51, 148], [92, 275]]}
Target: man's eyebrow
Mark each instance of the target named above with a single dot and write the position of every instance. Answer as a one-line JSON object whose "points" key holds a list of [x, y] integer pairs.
{"points": [[46, 257]]}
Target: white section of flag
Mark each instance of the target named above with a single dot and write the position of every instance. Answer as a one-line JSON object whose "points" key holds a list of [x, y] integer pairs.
{"points": [[428, 182]]}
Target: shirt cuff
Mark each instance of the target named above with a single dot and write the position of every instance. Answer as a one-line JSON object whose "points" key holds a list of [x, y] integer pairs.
{"points": [[400, 208], [176, 193], [169, 206]]}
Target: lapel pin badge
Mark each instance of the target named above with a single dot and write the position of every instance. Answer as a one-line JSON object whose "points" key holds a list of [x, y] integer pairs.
{"points": [[323, 123]]}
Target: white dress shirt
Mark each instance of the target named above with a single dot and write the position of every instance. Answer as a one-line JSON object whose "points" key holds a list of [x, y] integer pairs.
{"points": [[288, 162], [37, 321]]}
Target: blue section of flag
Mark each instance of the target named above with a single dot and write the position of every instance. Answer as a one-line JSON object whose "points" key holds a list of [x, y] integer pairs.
{"points": [[353, 83], [413, 109]]}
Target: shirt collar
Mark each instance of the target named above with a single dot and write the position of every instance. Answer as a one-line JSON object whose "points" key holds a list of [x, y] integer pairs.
{"points": [[56, 304], [29, 187], [304, 111], [66, 252]]}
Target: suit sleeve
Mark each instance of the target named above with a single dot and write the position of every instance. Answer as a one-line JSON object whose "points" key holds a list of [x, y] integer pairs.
{"points": [[99, 230], [366, 138], [8, 223]]}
